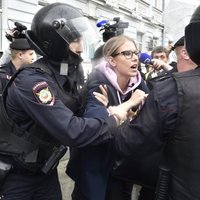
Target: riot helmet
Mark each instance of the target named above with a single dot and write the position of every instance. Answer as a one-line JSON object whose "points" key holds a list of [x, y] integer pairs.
{"points": [[192, 40], [53, 28]]}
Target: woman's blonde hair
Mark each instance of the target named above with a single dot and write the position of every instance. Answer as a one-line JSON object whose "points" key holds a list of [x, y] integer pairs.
{"points": [[111, 46]]}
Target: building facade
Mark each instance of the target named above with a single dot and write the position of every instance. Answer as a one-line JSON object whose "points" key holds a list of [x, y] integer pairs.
{"points": [[144, 17]]}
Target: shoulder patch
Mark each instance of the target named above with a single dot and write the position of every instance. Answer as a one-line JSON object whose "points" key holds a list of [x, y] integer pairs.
{"points": [[43, 93]]}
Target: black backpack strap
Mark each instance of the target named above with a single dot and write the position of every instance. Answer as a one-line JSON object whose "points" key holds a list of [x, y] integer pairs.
{"points": [[5, 122], [9, 129]]}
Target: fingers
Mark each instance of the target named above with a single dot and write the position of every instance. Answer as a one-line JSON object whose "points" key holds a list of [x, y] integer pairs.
{"points": [[138, 97], [104, 90], [131, 114], [138, 94], [119, 113], [159, 64], [101, 98], [99, 95]]}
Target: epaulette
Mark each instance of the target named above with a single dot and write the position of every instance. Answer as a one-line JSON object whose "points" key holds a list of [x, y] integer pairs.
{"points": [[38, 65]]}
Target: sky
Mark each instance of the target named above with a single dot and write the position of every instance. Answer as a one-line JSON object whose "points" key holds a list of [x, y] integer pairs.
{"points": [[195, 2], [177, 15]]}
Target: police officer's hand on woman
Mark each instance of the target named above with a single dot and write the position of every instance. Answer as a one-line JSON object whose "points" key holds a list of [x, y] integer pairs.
{"points": [[135, 100], [121, 111], [103, 96]]}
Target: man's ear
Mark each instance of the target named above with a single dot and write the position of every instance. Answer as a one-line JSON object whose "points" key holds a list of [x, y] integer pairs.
{"points": [[19, 54], [185, 54], [112, 61]]}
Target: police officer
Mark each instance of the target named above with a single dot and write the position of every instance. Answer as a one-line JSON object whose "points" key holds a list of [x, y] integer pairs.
{"points": [[41, 101], [11, 34], [21, 54], [170, 120]]}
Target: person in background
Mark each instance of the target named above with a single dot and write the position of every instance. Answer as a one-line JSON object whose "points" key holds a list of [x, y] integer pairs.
{"points": [[21, 54], [11, 34], [160, 53], [169, 121], [90, 167], [159, 61], [183, 60], [41, 104]]}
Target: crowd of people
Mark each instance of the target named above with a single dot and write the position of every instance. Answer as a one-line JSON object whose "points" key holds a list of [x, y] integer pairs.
{"points": [[117, 120]]}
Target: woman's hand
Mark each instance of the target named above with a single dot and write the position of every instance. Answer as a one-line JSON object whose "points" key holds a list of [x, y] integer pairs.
{"points": [[137, 98], [118, 113], [122, 111]]}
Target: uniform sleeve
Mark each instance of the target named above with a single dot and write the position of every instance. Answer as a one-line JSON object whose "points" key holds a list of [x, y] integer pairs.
{"points": [[36, 99], [150, 130]]}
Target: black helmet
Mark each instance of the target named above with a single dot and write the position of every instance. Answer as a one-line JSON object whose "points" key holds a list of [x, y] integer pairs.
{"points": [[53, 27], [192, 40]]}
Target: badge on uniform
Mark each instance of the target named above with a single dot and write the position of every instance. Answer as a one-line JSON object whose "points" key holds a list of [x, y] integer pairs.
{"points": [[43, 94]]}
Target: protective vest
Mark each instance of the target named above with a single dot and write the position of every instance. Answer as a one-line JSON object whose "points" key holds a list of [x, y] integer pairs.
{"points": [[184, 146], [30, 149]]}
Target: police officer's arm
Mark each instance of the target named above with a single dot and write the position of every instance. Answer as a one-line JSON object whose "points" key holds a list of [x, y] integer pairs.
{"points": [[148, 132], [36, 95], [135, 100]]}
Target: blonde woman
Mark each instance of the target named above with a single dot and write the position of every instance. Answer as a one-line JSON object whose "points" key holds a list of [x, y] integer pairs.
{"points": [[119, 72]]}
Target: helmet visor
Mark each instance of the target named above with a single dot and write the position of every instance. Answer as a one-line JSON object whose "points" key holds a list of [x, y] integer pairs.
{"points": [[73, 29]]}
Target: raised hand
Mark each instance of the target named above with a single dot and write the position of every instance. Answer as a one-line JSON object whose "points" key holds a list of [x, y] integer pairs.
{"points": [[159, 64]]}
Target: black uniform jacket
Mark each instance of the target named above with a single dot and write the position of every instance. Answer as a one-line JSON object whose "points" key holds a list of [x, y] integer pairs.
{"points": [[142, 141], [32, 98], [149, 131]]}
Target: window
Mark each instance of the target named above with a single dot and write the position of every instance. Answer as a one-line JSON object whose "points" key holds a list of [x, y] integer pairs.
{"points": [[139, 41], [159, 4]]}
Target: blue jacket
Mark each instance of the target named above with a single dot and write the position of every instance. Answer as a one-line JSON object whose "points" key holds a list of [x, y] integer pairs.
{"points": [[90, 167]]}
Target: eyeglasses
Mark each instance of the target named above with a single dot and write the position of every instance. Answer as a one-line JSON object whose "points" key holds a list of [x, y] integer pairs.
{"points": [[127, 54]]}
